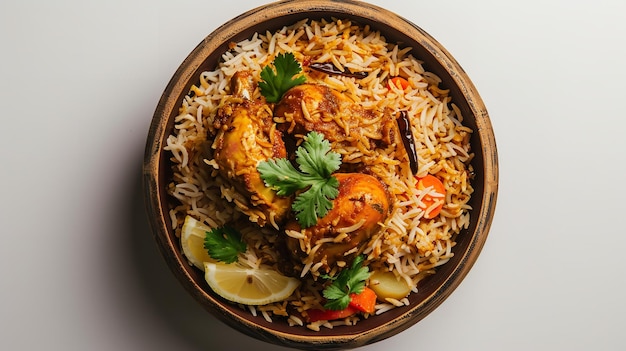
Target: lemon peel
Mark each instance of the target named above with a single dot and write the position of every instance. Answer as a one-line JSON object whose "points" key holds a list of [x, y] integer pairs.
{"points": [[192, 242]]}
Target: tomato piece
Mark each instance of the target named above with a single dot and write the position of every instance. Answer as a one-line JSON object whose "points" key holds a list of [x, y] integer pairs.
{"points": [[329, 315]]}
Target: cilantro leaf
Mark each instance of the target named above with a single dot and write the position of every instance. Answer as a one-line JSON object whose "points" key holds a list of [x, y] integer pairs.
{"points": [[315, 157], [317, 162], [315, 202], [224, 244], [282, 176], [275, 82], [337, 298], [349, 281]]}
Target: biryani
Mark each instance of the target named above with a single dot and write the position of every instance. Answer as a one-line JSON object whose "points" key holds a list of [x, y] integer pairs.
{"points": [[339, 161]]}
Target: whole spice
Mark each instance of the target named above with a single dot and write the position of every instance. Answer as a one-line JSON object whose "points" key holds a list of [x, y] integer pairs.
{"points": [[404, 124], [329, 68]]}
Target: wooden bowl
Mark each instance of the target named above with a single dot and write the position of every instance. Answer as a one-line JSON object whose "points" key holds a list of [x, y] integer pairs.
{"points": [[435, 289]]}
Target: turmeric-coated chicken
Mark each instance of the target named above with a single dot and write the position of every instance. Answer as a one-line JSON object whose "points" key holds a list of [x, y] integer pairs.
{"points": [[316, 107], [358, 212], [246, 136]]}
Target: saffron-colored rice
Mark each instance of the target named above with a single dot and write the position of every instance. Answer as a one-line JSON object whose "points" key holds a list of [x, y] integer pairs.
{"points": [[409, 245]]}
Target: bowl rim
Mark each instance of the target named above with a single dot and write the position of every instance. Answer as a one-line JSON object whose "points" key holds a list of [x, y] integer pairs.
{"points": [[154, 161]]}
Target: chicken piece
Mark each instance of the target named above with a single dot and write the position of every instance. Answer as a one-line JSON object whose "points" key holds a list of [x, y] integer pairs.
{"points": [[315, 107], [246, 136], [358, 212]]}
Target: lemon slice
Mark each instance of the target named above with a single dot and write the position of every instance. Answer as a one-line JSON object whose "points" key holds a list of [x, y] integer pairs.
{"points": [[192, 242], [248, 286]]}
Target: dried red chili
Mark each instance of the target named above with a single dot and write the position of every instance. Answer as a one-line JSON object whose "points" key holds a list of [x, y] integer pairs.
{"points": [[404, 124]]}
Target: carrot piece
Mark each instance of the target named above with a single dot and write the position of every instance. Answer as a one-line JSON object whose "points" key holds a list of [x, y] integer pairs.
{"points": [[329, 315], [399, 83], [365, 301], [429, 201]]}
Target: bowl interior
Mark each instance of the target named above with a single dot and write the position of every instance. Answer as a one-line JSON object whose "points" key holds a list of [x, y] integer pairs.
{"points": [[433, 290]]}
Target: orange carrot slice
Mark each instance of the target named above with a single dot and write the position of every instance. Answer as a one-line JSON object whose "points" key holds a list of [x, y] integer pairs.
{"points": [[365, 301], [433, 182], [399, 83]]}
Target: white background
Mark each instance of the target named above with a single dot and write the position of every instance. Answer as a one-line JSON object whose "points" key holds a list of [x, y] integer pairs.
{"points": [[79, 270]]}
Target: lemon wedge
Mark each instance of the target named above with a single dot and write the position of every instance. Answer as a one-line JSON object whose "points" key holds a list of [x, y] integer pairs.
{"points": [[248, 286], [192, 242]]}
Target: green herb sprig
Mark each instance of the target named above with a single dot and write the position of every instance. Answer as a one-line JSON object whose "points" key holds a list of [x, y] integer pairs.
{"points": [[224, 244], [317, 162], [275, 82], [349, 281]]}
